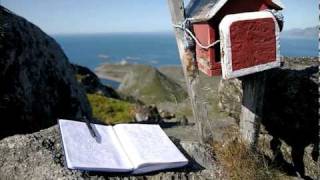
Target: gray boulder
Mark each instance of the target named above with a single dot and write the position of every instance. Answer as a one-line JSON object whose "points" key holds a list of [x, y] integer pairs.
{"points": [[147, 114], [40, 156], [37, 83]]}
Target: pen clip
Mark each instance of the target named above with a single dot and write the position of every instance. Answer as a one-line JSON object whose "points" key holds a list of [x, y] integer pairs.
{"points": [[91, 130]]}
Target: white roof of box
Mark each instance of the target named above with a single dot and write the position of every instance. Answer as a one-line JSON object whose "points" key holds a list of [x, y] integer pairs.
{"points": [[204, 10]]}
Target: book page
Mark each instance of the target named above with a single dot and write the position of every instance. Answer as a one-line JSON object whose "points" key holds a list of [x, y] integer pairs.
{"points": [[148, 147], [82, 151]]}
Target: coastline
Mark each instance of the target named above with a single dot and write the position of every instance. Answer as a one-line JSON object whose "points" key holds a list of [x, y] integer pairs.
{"points": [[116, 71], [106, 77], [99, 71]]}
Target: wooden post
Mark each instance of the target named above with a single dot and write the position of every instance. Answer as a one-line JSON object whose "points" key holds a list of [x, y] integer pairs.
{"points": [[253, 88], [251, 109], [187, 57]]}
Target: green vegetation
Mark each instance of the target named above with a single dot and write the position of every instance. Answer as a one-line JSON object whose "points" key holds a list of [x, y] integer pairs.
{"points": [[80, 77], [111, 111], [151, 86]]}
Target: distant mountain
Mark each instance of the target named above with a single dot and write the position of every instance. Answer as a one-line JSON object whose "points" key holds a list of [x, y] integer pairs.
{"points": [[311, 32], [150, 86]]}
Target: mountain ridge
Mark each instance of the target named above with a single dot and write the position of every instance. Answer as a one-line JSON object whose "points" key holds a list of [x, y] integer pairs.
{"points": [[309, 32]]}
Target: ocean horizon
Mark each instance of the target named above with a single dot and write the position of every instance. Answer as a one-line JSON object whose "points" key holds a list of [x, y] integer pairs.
{"points": [[155, 49]]}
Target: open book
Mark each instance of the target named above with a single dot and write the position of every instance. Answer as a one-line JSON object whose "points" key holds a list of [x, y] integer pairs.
{"points": [[132, 148]]}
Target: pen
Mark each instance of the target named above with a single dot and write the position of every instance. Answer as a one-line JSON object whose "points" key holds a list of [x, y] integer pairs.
{"points": [[93, 134]]}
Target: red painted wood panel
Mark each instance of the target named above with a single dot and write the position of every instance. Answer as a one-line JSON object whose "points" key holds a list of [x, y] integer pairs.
{"points": [[202, 32], [253, 42], [207, 35]]}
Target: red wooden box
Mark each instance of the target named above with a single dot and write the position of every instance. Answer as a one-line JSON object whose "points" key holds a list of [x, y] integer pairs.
{"points": [[249, 43], [206, 16]]}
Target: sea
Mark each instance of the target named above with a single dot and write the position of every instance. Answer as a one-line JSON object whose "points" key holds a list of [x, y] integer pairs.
{"points": [[155, 49]]}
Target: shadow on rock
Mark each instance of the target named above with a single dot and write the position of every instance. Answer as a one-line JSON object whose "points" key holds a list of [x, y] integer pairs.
{"points": [[291, 106]]}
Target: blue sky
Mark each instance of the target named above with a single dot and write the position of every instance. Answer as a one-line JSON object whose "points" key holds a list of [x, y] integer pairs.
{"points": [[104, 16]]}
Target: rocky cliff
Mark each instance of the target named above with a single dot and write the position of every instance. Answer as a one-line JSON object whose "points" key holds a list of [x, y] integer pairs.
{"points": [[37, 83], [40, 156]]}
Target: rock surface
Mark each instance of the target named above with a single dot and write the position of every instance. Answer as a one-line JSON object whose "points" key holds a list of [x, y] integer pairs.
{"points": [[230, 97], [288, 81], [147, 114], [39, 156], [291, 107], [37, 83]]}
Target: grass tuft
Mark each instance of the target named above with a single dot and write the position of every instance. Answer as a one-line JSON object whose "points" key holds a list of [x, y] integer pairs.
{"points": [[239, 162], [111, 111]]}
